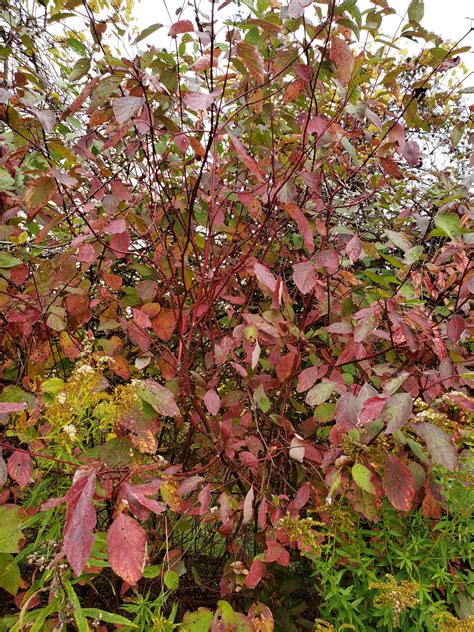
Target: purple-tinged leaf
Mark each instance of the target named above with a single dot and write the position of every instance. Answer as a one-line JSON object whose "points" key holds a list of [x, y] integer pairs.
{"points": [[212, 401], [397, 412], [439, 444], [304, 276], [248, 506], [20, 468], [11, 407], [126, 107], [80, 520], [198, 100]]}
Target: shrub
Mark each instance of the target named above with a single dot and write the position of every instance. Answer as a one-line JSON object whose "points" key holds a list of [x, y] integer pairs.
{"points": [[235, 297]]}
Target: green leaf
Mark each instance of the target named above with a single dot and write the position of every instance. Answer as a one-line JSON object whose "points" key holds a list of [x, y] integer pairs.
{"points": [[399, 240], [449, 223], [226, 612], [351, 151], [9, 574], [43, 614], [324, 412], [171, 580], [150, 572], [53, 386], [416, 10], [7, 183], [199, 621], [363, 478], [78, 614], [8, 261], [10, 529], [81, 68], [108, 617], [413, 254], [77, 46], [456, 134], [148, 31]]}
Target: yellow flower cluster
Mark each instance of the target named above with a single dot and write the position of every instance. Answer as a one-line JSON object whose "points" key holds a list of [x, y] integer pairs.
{"points": [[449, 623], [86, 407], [301, 530], [401, 596]]}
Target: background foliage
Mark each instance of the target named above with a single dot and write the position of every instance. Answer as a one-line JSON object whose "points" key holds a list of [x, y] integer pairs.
{"points": [[235, 295]]}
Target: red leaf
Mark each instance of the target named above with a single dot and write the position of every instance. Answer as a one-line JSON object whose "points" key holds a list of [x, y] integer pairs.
{"points": [[120, 244], [20, 468], [302, 223], [276, 553], [398, 483], [371, 409], [302, 496], [262, 514], [265, 277], [455, 328], [431, 508], [138, 503], [38, 193], [246, 158], [212, 401], [366, 324], [304, 276], [308, 377], [249, 54], [164, 324], [183, 26], [255, 573], [342, 56], [86, 253], [80, 520], [327, 259], [391, 167], [463, 401], [141, 319], [342, 327], [126, 544], [115, 226], [354, 248], [204, 63], [284, 366], [189, 485], [396, 135]]}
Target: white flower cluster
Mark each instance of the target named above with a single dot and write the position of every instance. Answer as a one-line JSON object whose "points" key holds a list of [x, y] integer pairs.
{"points": [[85, 369], [70, 430]]}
